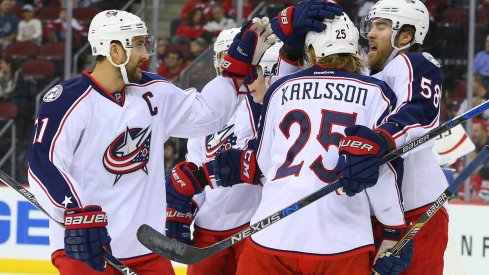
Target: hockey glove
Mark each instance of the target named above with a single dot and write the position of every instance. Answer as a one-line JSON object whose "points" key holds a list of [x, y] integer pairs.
{"points": [[247, 51], [293, 23], [388, 264], [358, 165], [86, 235], [235, 166], [178, 223], [385, 238], [185, 180]]}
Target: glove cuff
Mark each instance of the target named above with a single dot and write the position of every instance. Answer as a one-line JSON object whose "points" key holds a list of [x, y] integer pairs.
{"points": [[284, 18], [74, 219], [235, 68], [249, 167], [358, 146], [181, 217]]}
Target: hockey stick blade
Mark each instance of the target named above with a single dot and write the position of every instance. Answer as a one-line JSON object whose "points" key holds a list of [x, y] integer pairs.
{"points": [[172, 249], [440, 201], [164, 246], [113, 261]]}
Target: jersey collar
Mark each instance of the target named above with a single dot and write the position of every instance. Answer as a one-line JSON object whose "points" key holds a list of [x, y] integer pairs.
{"points": [[103, 92]]}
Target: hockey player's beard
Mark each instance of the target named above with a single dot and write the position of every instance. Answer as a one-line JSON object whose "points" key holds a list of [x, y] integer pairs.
{"points": [[133, 74]]}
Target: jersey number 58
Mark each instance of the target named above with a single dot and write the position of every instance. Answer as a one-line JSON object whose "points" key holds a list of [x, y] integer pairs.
{"points": [[427, 91]]}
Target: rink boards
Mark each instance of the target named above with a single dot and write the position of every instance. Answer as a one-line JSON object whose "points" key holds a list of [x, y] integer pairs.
{"points": [[24, 245]]}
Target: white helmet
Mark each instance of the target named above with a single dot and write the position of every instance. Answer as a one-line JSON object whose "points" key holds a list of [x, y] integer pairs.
{"points": [[122, 26], [222, 44], [400, 12], [340, 36], [270, 58]]}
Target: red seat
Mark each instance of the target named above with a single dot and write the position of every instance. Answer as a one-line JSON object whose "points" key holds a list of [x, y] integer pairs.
{"points": [[455, 16], [52, 51], [48, 13], [37, 69], [85, 15], [8, 109], [21, 50]]}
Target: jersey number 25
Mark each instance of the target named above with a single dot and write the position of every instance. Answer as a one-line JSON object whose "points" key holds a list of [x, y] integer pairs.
{"points": [[326, 138]]}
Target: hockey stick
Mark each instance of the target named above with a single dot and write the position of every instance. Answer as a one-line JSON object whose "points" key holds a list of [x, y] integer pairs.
{"points": [[113, 261], [438, 203], [188, 254]]}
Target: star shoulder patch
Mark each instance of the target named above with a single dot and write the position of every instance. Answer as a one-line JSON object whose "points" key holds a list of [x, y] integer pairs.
{"points": [[53, 94]]}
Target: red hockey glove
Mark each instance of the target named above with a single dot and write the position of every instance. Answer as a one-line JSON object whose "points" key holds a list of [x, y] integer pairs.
{"points": [[247, 51], [185, 180]]}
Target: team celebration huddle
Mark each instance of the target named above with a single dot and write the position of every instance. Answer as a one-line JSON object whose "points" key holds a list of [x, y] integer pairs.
{"points": [[305, 154]]}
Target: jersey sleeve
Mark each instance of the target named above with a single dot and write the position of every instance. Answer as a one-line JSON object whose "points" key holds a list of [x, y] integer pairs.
{"points": [[417, 83], [58, 130], [190, 114]]}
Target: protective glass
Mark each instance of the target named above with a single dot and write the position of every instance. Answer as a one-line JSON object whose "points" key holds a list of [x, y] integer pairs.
{"points": [[367, 24], [144, 44]]}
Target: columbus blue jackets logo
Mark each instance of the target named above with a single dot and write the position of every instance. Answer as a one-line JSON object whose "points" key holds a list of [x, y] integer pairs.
{"points": [[220, 141], [129, 152], [111, 13]]}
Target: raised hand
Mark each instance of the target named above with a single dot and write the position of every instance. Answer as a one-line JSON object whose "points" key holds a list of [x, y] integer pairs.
{"points": [[293, 23]]}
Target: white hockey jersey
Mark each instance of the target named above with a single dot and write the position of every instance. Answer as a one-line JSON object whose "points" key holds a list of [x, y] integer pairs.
{"points": [[304, 117], [417, 80], [223, 209], [90, 147]]}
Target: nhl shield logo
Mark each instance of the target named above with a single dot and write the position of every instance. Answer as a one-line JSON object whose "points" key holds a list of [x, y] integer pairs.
{"points": [[53, 94]]}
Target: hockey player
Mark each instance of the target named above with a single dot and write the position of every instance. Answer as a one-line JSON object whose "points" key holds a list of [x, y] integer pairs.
{"points": [[395, 30], [221, 211], [96, 156], [303, 119]]}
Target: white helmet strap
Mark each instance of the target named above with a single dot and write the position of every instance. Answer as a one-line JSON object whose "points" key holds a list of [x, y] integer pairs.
{"points": [[122, 67], [395, 50]]}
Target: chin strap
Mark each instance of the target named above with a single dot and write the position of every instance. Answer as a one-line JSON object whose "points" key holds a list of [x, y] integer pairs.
{"points": [[122, 67], [395, 51]]}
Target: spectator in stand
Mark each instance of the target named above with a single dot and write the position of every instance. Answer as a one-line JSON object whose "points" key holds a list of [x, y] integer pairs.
{"points": [[480, 95], [174, 64], [161, 51], [204, 5], [480, 181], [169, 154], [481, 63], [193, 26], [197, 47], [30, 28], [9, 23], [13, 87], [56, 30], [219, 21]]}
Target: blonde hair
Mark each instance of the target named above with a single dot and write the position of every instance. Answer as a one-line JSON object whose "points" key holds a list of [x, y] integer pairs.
{"points": [[350, 62]]}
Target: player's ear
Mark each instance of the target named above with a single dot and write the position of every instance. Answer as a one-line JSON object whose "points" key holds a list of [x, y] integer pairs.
{"points": [[117, 52], [405, 37]]}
